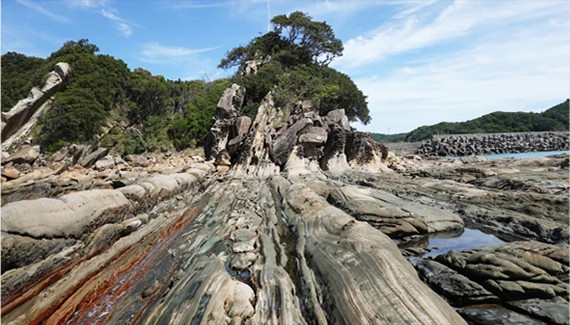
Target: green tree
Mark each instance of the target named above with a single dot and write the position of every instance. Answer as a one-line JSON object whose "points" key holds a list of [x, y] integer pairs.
{"points": [[149, 96], [191, 129], [296, 39], [300, 51], [74, 116], [308, 38]]}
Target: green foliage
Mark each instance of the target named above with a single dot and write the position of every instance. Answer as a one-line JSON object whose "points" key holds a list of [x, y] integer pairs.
{"points": [[326, 87], [100, 88], [75, 116], [156, 134], [17, 75], [149, 95], [191, 129], [553, 119], [348, 96], [125, 143], [300, 51], [296, 39], [308, 38], [559, 113], [388, 138]]}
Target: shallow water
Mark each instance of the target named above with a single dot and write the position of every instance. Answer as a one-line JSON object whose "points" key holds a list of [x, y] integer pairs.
{"points": [[521, 155], [468, 239]]}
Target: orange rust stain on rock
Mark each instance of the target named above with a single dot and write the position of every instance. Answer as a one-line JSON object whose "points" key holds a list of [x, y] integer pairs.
{"points": [[131, 259], [22, 295]]}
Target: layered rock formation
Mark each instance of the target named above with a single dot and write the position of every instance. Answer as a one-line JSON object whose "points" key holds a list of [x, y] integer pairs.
{"points": [[19, 121], [527, 277], [494, 143], [292, 219], [298, 141]]}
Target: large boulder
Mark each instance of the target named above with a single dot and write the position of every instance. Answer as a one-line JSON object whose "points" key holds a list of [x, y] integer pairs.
{"points": [[70, 216], [10, 172], [365, 153], [26, 155], [105, 163], [284, 144]]}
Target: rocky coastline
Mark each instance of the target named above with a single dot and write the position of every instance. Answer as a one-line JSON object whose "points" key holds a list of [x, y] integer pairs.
{"points": [[286, 219]]}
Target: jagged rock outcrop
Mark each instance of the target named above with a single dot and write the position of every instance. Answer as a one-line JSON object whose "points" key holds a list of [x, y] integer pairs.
{"points": [[224, 120], [252, 66], [283, 224], [304, 140], [18, 122], [26, 155], [494, 143]]}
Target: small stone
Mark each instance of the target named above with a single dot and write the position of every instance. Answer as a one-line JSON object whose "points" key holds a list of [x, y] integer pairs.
{"points": [[143, 217], [243, 261], [131, 225], [10, 172], [150, 290], [223, 169]]}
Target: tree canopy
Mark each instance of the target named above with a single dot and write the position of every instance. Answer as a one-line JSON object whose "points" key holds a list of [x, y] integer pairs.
{"points": [[296, 39], [300, 50]]}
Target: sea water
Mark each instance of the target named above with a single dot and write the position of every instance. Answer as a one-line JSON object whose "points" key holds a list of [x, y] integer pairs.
{"points": [[521, 155]]}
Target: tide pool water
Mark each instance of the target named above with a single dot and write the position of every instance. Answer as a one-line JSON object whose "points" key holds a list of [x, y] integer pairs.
{"points": [[521, 155], [469, 239]]}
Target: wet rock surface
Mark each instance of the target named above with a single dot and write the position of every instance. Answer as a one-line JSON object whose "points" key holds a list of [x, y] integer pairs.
{"points": [[293, 220]]}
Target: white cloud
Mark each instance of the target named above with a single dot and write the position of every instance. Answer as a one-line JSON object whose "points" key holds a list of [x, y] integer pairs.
{"points": [[111, 14], [507, 56], [458, 19], [196, 5], [122, 25], [155, 50], [124, 29], [188, 62], [42, 10], [83, 4]]}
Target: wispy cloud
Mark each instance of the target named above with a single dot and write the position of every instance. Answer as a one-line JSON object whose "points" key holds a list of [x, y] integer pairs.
{"points": [[124, 26], [456, 20], [502, 56], [156, 53], [86, 3], [189, 61], [196, 5], [42, 10], [121, 24]]}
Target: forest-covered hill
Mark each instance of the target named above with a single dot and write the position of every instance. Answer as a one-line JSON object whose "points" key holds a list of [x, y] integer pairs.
{"points": [[134, 111], [553, 119]]}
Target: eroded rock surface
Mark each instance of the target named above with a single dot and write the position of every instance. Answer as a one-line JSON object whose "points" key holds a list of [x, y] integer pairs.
{"points": [[292, 219], [18, 122]]}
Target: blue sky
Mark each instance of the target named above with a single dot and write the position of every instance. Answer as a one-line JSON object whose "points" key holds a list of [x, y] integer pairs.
{"points": [[419, 62]]}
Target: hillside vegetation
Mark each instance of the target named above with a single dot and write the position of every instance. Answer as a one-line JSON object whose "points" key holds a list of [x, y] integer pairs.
{"points": [[294, 59], [553, 119], [135, 111]]}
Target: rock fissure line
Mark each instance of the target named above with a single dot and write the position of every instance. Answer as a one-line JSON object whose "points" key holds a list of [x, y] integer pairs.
{"points": [[294, 222]]}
